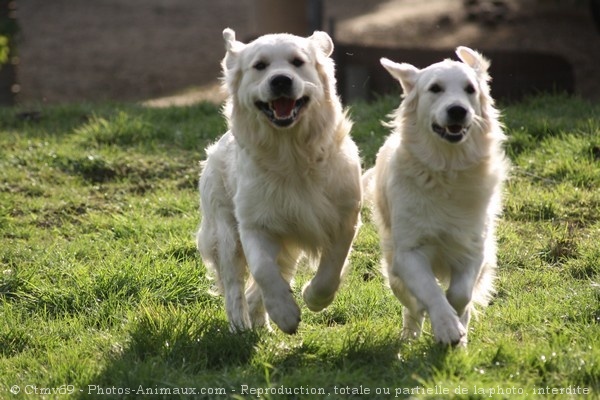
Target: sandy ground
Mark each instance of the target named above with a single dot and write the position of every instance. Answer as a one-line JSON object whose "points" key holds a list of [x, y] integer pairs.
{"points": [[135, 50]]}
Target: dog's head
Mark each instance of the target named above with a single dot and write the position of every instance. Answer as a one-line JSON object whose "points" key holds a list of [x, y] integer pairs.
{"points": [[451, 99], [278, 76]]}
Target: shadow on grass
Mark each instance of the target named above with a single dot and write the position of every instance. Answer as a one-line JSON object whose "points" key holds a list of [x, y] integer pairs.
{"points": [[357, 360], [168, 350]]}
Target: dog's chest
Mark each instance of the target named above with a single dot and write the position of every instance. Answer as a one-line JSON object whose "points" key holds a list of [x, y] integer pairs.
{"points": [[296, 204], [448, 201]]}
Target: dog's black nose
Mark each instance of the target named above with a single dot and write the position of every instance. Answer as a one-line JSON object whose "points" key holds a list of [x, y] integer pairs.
{"points": [[456, 113], [281, 85]]}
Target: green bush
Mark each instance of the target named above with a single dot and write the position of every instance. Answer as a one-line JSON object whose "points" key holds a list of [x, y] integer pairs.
{"points": [[8, 30], [4, 50]]}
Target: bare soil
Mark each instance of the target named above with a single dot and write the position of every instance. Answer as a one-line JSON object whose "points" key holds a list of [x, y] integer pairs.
{"points": [[136, 50]]}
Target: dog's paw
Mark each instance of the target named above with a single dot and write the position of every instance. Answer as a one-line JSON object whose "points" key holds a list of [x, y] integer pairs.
{"points": [[462, 343], [239, 322], [448, 330], [284, 312], [313, 301], [259, 320], [409, 334], [256, 309], [412, 324]]}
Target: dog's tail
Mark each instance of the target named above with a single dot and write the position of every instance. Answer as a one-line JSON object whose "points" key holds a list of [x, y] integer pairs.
{"points": [[368, 183]]}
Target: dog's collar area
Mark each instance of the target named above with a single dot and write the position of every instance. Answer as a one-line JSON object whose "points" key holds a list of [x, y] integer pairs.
{"points": [[282, 111], [453, 133]]}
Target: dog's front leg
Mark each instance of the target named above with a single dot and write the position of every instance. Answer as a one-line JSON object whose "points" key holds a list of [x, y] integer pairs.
{"points": [[414, 269], [261, 253], [320, 291]]}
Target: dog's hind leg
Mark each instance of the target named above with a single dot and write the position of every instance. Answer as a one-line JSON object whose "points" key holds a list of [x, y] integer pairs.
{"points": [[233, 276], [220, 248], [256, 307]]}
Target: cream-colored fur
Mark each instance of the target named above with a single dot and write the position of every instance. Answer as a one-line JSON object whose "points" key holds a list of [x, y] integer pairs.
{"points": [[279, 183], [436, 188]]}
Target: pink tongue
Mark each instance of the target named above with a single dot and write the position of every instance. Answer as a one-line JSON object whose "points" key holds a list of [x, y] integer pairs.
{"points": [[283, 107]]}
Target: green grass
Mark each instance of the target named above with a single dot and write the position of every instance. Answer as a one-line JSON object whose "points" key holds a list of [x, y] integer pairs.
{"points": [[102, 290]]}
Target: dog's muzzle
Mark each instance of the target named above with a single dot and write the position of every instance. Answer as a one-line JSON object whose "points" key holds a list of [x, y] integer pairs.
{"points": [[284, 109], [456, 128], [282, 112]]}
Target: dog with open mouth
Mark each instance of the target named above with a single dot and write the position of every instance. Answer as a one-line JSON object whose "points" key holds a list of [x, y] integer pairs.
{"points": [[283, 182], [436, 189]]}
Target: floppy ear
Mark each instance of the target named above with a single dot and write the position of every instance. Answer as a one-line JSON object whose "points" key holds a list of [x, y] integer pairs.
{"points": [[232, 46], [322, 41], [406, 74], [473, 59]]}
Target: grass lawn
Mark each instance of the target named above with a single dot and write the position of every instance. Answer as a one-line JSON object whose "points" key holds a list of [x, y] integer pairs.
{"points": [[103, 294]]}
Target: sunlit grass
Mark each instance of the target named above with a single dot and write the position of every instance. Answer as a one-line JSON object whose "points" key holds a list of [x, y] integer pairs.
{"points": [[101, 286]]}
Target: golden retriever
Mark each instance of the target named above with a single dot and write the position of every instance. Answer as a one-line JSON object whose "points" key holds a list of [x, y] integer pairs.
{"points": [[436, 188], [284, 181]]}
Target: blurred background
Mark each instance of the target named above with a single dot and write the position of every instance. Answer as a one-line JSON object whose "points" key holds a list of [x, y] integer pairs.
{"points": [[168, 52]]}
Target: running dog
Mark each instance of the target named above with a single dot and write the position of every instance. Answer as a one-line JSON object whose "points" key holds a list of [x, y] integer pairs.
{"points": [[436, 188], [284, 181]]}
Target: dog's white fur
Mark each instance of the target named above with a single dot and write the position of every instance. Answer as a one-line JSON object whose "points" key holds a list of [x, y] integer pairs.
{"points": [[436, 201], [270, 194]]}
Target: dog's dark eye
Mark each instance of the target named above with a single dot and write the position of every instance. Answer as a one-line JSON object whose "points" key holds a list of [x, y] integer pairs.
{"points": [[259, 66], [470, 89], [435, 88], [297, 62]]}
